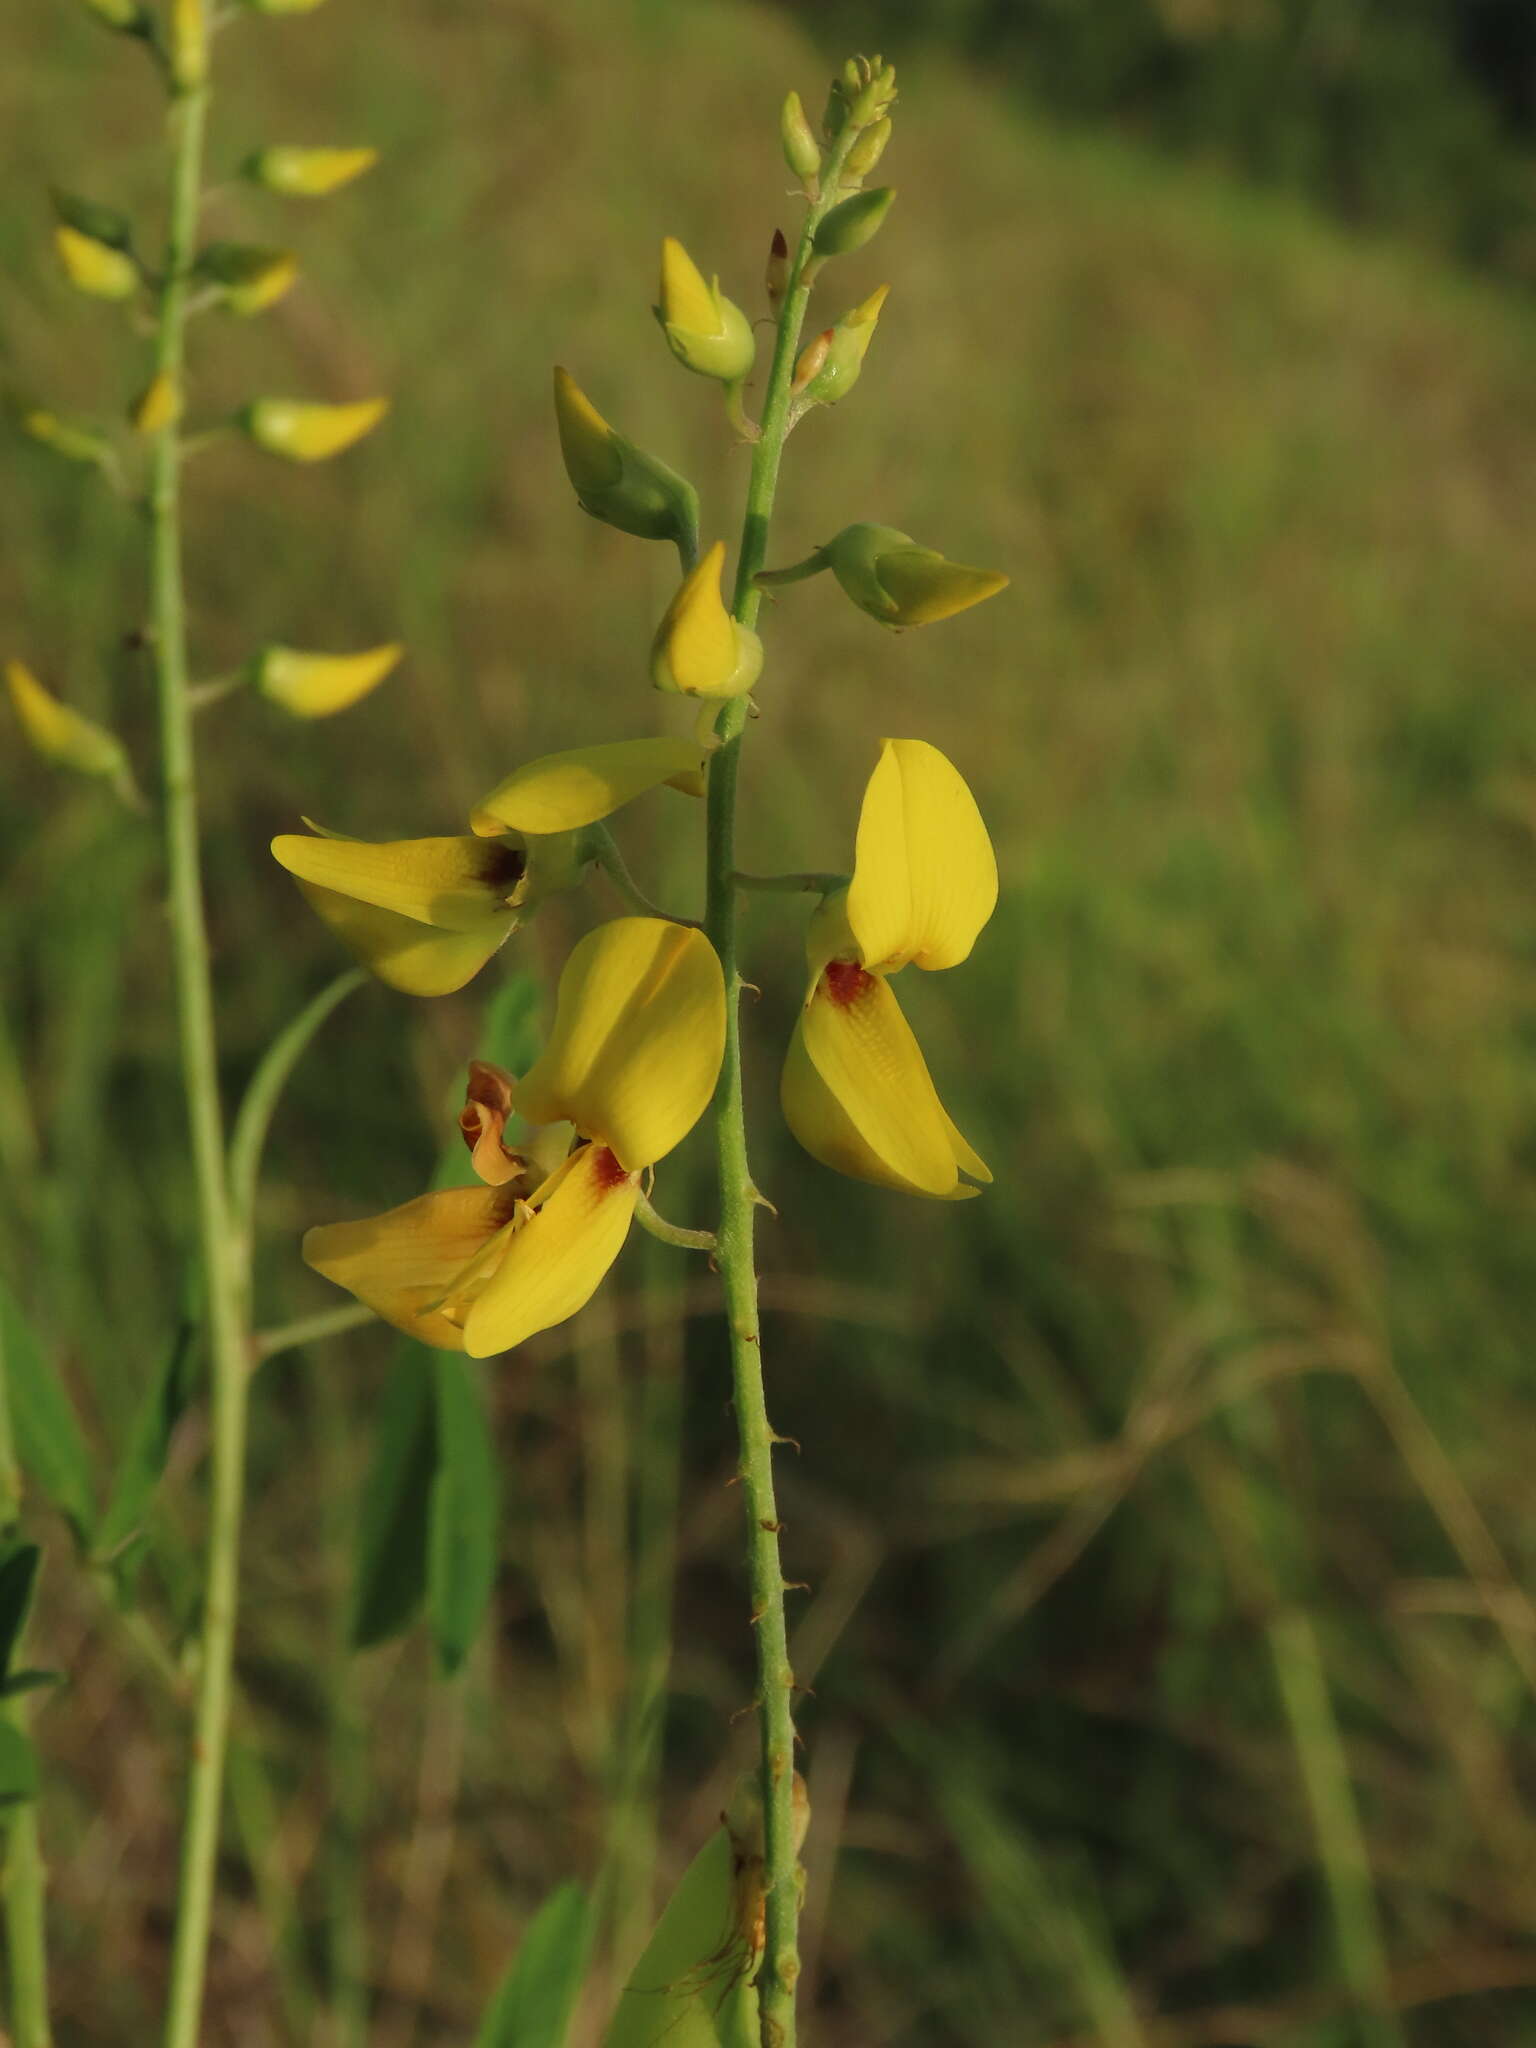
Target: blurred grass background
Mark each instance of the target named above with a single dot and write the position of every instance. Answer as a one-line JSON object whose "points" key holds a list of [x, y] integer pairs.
{"points": [[1166, 1514]]}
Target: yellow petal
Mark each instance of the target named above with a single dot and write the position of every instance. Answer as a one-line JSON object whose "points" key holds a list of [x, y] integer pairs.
{"points": [[925, 876], [456, 885], [403, 953], [555, 1261], [309, 173], [857, 1094], [562, 792], [59, 733], [686, 300], [302, 432], [587, 442], [404, 1263], [483, 1122], [699, 649], [157, 406], [319, 685], [923, 586], [96, 268], [638, 1038]]}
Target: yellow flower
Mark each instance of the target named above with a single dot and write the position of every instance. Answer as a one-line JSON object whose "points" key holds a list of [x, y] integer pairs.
{"points": [[67, 737], [699, 649], [157, 406], [319, 685], [303, 432], [855, 1089], [308, 173], [889, 576], [631, 1063], [94, 267], [613, 479], [703, 329], [426, 914], [247, 277]]}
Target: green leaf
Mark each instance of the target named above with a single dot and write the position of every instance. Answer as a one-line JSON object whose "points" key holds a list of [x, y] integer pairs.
{"points": [[160, 1408], [48, 1439], [395, 1508], [691, 1987], [510, 1035], [535, 2001], [18, 1766], [461, 1569], [18, 1577]]}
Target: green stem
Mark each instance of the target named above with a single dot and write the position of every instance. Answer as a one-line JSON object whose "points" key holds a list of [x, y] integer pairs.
{"points": [[738, 1200], [604, 852], [329, 1322], [24, 1880], [254, 1117], [224, 1275], [671, 1233]]}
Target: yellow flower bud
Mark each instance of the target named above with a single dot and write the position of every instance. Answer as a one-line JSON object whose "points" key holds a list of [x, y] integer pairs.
{"points": [[776, 274], [320, 685], [72, 439], [96, 268], [157, 406], [189, 43], [308, 173], [854, 222], [614, 480], [248, 278], [66, 737], [801, 151], [829, 368], [699, 649], [703, 329], [304, 432], [889, 576]]}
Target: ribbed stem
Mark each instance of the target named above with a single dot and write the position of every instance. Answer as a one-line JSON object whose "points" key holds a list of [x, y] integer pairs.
{"points": [[224, 1276], [738, 1200]]}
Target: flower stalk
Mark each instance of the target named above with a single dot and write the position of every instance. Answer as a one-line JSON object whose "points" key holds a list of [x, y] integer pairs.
{"points": [[739, 1198], [223, 1265]]}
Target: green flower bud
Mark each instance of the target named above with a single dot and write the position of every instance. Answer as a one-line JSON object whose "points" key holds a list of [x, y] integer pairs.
{"points": [[96, 222], [801, 151], [248, 279], [704, 330], [189, 44], [829, 365], [613, 479], [128, 17], [889, 576], [867, 151], [853, 223]]}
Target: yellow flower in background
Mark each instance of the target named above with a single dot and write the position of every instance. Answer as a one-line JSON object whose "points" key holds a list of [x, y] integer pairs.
{"points": [[320, 685], [157, 406], [855, 1089], [426, 914], [96, 268], [300, 431], [699, 649], [308, 173], [631, 1064], [67, 737]]}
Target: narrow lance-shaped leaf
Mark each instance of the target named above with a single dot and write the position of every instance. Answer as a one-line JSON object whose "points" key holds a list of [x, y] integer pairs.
{"points": [[461, 1558], [537, 1997], [395, 1507], [49, 1442]]}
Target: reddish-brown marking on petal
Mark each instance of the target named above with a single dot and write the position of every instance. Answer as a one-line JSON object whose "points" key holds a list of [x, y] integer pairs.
{"points": [[502, 866], [845, 981], [607, 1171]]}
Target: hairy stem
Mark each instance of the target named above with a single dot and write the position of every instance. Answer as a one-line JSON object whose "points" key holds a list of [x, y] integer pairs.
{"points": [[224, 1275], [739, 1198]]}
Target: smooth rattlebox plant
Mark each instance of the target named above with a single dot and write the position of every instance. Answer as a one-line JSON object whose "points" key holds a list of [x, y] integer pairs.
{"points": [[645, 1039]]}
